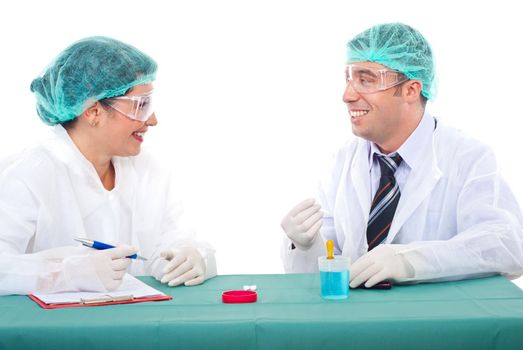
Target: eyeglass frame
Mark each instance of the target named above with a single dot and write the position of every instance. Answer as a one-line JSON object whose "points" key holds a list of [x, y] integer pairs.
{"points": [[401, 78], [136, 98]]}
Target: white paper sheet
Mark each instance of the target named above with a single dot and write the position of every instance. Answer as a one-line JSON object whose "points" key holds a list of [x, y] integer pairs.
{"points": [[130, 286]]}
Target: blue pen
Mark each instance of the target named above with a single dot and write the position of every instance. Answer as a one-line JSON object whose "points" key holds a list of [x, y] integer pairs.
{"points": [[100, 246]]}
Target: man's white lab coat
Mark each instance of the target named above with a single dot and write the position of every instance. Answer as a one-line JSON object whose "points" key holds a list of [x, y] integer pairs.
{"points": [[456, 215]]}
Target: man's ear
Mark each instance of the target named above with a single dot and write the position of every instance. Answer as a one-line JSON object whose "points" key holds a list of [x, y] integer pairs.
{"points": [[412, 90]]}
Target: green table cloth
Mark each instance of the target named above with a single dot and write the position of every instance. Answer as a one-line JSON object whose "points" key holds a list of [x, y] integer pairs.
{"points": [[289, 314]]}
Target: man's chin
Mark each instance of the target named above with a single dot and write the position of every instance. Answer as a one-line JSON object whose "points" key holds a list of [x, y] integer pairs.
{"points": [[358, 131]]}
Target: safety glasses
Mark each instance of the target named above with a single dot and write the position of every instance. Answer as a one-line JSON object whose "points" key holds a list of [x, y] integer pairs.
{"points": [[137, 107], [368, 80]]}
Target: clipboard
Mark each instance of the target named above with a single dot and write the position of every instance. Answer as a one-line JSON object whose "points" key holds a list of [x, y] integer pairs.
{"points": [[131, 291], [100, 301]]}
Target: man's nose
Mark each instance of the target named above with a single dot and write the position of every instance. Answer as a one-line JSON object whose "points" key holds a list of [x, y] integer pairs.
{"points": [[350, 95]]}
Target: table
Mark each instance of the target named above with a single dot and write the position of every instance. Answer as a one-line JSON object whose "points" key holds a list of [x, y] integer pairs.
{"points": [[289, 314]]}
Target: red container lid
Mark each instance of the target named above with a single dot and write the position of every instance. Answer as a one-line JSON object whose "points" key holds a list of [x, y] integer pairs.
{"points": [[239, 296]]}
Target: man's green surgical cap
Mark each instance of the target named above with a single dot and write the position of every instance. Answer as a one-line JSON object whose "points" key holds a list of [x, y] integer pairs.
{"points": [[398, 47], [89, 70]]}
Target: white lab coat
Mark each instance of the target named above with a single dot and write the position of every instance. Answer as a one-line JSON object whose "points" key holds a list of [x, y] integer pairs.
{"points": [[456, 217], [52, 194]]}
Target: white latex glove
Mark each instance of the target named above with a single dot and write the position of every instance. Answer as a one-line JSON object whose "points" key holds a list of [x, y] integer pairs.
{"points": [[186, 265], [111, 264], [303, 223], [381, 263]]}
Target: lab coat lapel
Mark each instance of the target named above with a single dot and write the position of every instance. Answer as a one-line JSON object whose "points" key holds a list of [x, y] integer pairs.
{"points": [[420, 184], [82, 175], [360, 177], [131, 187]]}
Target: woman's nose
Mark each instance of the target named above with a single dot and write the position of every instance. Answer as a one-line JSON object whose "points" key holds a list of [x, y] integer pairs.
{"points": [[152, 121]]}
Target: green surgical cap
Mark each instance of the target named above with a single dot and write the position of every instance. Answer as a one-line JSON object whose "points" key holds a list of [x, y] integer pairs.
{"points": [[398, 47], [87, 71]]}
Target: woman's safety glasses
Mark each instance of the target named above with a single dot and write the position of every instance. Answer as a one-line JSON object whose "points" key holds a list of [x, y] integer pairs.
{"points": [[367, 80], [137, 107]]}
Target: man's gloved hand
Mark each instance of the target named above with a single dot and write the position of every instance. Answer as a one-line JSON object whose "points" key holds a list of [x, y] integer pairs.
{"points": [[381, 263], [186, 265], [303, 223], [111, 264]]}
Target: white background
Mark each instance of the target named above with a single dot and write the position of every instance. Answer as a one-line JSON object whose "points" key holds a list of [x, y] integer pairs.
{"points": [[249, 94]]}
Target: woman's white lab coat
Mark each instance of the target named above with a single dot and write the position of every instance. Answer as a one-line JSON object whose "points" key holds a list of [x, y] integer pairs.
{"points": [[52, 194], [456, 216]]}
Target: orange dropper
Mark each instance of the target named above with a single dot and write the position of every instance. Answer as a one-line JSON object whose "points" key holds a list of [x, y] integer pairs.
{"points": [[330, 249]]}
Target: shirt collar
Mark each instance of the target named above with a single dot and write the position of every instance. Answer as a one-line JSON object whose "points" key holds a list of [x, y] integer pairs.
{"points": [[409, 150]]}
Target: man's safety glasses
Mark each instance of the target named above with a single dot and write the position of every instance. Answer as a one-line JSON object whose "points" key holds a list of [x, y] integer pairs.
{"points": [[368, 80], [137, 107]]}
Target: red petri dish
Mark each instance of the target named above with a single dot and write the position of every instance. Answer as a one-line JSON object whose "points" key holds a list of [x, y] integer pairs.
{"points": [[239, 296]]}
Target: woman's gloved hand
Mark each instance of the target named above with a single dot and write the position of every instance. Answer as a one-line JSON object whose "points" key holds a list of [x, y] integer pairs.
{"points": [[98, 270], [186, 265], [381, 263], [111, 264]]}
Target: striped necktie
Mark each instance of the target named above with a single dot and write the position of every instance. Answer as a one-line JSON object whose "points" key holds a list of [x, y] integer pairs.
{"points": [[385, 201]]}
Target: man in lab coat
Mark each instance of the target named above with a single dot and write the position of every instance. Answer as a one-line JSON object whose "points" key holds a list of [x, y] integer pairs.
{"points": [[410, 199]]}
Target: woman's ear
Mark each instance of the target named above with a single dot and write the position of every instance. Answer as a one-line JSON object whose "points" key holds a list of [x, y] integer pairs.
{"points": [[92, 114]]}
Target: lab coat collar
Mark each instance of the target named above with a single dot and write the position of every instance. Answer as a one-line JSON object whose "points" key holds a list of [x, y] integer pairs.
{"points": [[76, 160], [419, 139], [83, 175], [70, 154]]}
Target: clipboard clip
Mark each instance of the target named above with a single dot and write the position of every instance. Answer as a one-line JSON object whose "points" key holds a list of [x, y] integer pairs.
{"points": [[107, 299]]}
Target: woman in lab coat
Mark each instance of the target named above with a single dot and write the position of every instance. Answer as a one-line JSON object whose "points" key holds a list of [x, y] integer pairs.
{"points": [[456, 218], [91, 180]]}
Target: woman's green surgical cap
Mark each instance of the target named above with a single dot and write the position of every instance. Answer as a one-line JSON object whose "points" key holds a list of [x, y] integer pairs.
{"points": [[398, 47], [89, 70]]}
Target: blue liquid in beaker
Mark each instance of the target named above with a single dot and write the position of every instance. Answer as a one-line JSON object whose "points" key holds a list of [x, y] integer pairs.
{"points": [[334, 285]]}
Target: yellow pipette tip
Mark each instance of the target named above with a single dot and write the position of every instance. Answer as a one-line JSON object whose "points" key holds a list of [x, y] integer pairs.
{"points": [[330, 249]]}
